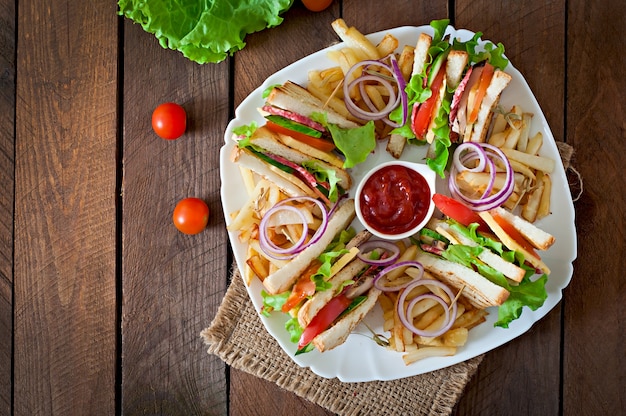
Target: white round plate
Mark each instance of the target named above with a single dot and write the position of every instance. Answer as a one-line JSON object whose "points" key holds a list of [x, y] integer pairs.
{"points": [[360, 359]]}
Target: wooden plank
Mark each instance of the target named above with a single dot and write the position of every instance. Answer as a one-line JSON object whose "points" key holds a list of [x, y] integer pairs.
{"points": [[65, 208], [7, 182], [392, 14], [593, 362], [267, 52], [172, 283], [515, 369]]}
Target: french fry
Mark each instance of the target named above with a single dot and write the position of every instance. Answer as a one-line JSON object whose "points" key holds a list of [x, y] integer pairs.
{"points": [[498, 139], [248, 179], [355, 39], [387, 45], [258, 266], [499, 124], [512, 137], [544, 164], [524, 132], [523, 169], [544, 204], [405, 61], [534, 144], [530, 209], [245, 216], [470, 318], [425, 352], [456, 337]]}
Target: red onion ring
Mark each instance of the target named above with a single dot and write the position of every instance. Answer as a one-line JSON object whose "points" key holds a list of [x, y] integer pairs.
{"points": [[388, 246], [404, 312], [279, 253], [485, 154], [395, 98], [377, 279]]}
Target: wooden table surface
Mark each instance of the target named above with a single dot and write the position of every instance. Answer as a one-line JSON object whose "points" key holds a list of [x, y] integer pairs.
{"points": [[102, 301]]}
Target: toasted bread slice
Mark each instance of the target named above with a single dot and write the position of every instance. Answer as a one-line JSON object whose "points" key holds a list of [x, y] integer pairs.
{"points": [[293, 97], [312, 306], [490, 258], [539, 238], [420, 57], [455, 67], [479, 129], [284, 278], [269, 141], [479, 291], [511, 244], [339, 332]]}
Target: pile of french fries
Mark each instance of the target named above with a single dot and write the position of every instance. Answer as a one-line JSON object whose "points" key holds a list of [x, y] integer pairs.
{"points": [[427, 314], [510, 132], [263, 195]]}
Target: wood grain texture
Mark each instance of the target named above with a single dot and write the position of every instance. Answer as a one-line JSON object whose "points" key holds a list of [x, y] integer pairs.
{"points": [[173, 283], [594, 352], [521, 27], [65, 168], [7, 182]]}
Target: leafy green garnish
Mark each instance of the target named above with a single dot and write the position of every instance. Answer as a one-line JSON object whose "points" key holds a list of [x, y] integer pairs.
{"points": [[273, 302], [355, 143], [204, 31]]}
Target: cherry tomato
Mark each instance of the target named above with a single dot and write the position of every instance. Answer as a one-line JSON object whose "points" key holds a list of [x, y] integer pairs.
{"points": [[316, 5], [191, 215], [169, 121]]}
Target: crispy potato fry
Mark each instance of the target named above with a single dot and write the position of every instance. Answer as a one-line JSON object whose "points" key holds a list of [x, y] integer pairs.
{"points": [[405, 61], [530, 209], [246, 214], [425, 352], [541, 163], [355, 39], [387, 45], [524, 132], [534, 144], [259, 266], [499, 124], [248, 179], [455, 337], [544, 204], [498, 139]]}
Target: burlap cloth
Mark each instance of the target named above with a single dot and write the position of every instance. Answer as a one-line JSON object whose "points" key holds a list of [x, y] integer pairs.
{"points": [[235, 337]]}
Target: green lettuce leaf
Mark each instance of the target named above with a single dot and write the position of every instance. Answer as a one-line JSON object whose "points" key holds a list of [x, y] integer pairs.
{"points": [[355, 143], [204, 31]]}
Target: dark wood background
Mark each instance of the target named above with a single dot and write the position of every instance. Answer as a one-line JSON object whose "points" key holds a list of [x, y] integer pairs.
{"points": [[102, 300]]}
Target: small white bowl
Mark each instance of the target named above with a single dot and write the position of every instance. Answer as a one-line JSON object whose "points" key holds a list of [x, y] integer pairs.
{"points": [[421, 169]]}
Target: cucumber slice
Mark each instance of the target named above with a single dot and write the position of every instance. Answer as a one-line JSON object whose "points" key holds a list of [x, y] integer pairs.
{"points": [[292, 125], [436, 66]]}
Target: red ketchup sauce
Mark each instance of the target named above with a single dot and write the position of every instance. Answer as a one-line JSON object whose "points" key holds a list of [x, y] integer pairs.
{"points": [[395, 199]]}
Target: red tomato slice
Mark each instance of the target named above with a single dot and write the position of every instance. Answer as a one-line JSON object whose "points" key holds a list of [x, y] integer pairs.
{"points": [[485, 79], [323, 319], [320, 144], [423, 113], [514, 234], [459, 212], [303, 288]]}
